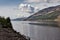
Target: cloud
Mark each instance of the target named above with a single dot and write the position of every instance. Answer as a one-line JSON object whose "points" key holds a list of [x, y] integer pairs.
{"points": [[30, 1], [42, 1], [26, 8], [35, 1], [54, 1]]}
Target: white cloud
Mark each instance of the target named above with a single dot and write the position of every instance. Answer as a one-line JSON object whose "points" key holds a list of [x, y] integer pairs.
{"points": [[54, 1], [39, 1], [19, 15], [26, 8], [32, 1]]}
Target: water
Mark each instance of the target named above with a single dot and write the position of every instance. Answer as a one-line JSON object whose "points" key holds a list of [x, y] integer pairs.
{"points": [[37, 32]]}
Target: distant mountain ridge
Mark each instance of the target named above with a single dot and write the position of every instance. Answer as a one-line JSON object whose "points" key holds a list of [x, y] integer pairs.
{"points": [[45, 12], [18, 19]]}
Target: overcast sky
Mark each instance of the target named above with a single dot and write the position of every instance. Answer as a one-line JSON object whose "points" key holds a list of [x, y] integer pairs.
{"points": [[10, 7]]}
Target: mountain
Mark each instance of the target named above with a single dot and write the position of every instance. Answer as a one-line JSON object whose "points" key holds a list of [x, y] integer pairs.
{"points": [[50, 13], [19, 19]]}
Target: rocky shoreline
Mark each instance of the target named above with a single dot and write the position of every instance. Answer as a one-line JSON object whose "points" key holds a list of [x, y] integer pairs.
{"points": [[10, 34], [7, 32]]}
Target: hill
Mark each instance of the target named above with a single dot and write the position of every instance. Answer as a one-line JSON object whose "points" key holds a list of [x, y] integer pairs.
{"points": [[18, 19], [50, 13], [7, 32]]}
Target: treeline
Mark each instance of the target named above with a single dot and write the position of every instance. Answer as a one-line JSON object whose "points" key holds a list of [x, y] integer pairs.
{"points": [[5, 22]]}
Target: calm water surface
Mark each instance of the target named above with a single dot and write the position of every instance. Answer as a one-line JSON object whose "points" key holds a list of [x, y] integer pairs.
{"points": [[37, 32]]}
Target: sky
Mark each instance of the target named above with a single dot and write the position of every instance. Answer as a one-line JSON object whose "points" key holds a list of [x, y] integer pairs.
{"points": [[10, 2], [13, 8], [9, 7]]}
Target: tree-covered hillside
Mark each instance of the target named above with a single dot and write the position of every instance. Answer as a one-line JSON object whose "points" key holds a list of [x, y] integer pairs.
{"points": [[50, 13]]}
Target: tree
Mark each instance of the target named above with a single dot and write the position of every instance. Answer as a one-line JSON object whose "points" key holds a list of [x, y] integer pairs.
{"points": [[9, 22]]}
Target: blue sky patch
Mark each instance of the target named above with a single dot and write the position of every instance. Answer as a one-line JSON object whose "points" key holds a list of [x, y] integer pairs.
{"points": [[10, 2]]}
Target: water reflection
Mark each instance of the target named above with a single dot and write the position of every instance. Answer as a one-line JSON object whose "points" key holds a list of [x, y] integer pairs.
{"points": [[37, 32]]}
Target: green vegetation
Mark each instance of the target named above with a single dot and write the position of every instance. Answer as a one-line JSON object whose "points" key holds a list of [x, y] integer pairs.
{"points": [[5, 22], [11, 34], [50, 16]]}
